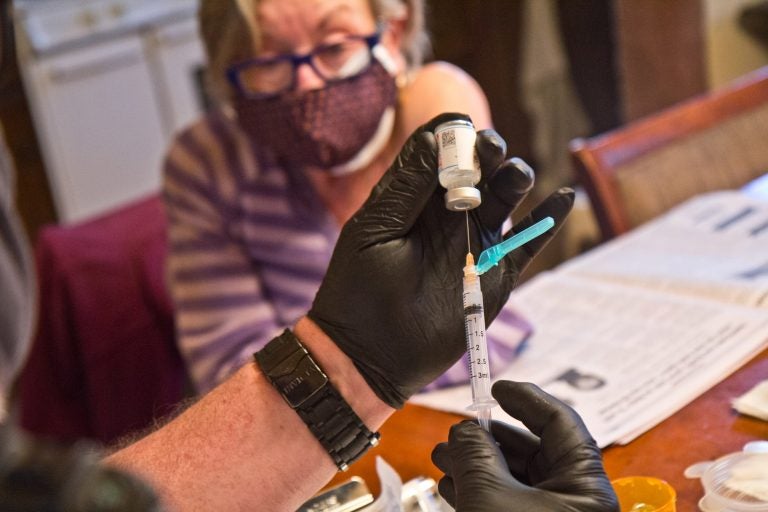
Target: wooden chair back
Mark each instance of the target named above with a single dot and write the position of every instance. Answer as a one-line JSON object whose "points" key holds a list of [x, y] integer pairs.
{"points": [[718, 140]]}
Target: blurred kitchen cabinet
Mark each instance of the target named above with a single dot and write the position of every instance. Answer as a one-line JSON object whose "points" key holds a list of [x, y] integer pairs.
{"points": [[108, 83], [99, 124], [177, 54]]}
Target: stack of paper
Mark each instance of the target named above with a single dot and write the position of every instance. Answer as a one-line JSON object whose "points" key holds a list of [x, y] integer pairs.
{"points": [[634, 330], [754, 402]]}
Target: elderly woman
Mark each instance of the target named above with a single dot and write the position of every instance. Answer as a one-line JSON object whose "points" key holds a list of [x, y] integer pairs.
{"points": [[314, 100]]}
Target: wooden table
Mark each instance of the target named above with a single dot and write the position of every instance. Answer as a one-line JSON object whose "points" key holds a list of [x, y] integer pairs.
{"points": [[705, 429]]}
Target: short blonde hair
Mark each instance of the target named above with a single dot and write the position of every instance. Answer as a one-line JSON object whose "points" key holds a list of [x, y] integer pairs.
{"points": [[229, 28]]}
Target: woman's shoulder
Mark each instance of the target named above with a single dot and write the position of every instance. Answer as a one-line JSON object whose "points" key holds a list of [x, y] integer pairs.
{"points": [[440, 87], [213, 134], [214, 127], [442, 71], [214, 141]]}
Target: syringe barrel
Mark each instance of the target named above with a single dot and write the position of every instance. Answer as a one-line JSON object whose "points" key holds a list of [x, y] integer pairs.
{"points": [[477, 348]]}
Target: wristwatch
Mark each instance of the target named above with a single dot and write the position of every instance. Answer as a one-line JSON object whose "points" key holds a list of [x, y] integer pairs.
{"points": [[297, 377]]}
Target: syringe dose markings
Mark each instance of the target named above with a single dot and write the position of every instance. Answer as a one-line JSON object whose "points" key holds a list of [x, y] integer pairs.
{"points": [[479, 362]]}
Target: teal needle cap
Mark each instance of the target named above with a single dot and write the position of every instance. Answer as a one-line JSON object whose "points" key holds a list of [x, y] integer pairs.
{"points": [[491, 257]]}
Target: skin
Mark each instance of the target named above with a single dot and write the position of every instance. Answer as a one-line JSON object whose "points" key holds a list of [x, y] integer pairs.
{"points": [[297, 26], [241, 447]]}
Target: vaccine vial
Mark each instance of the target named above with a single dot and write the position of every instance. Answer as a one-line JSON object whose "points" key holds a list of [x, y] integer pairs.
{"points": [[458, 169]]}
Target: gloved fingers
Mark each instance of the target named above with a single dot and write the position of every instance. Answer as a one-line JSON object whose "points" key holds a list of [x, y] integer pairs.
{"points": [[447, 490], [400, 196], [558, 426], [558, 205], [472, 463], [467, 446], [491, 151], [503, 192], [518, 447], [472, 451], [441, 458], [536, 408]]}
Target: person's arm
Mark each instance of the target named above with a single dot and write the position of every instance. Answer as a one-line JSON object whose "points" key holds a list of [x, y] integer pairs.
{"points": [[388, 313], [241, 446], [222, 314]]}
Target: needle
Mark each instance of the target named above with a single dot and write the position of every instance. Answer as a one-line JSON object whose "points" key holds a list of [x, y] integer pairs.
{"points": [[467, 215]]}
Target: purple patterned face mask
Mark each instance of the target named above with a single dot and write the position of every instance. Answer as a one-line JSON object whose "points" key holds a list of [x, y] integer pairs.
{"points": [[323, 128]]}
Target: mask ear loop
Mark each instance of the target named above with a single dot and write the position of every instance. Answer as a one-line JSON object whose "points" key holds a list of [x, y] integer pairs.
{"points": [[381, 54]]}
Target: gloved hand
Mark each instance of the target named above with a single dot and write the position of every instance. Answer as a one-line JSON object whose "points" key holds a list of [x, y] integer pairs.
{"points": [[392, 297], [557, 467]]}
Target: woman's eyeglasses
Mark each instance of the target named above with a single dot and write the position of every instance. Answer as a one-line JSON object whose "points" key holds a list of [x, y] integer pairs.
{"points": [[265, 77]]}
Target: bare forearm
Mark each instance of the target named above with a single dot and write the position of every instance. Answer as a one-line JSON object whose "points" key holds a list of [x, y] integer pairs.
{"points": [[243, 446]]}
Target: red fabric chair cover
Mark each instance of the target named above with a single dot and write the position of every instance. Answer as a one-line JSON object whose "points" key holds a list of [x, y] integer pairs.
{"points": [[104, 361]]}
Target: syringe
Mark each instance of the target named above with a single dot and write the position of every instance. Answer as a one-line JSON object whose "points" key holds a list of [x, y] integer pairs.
{"points": [[477, 348]]}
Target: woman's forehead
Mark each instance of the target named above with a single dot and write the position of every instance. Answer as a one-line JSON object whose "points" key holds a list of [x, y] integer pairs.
{"points": [[311, 14]]}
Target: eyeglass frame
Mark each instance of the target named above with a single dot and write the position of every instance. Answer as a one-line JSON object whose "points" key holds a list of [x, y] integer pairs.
{"points": [[233, 72]]}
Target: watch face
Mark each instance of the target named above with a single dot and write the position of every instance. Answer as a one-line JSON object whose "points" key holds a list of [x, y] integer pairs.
{"points": [[301, 381]]}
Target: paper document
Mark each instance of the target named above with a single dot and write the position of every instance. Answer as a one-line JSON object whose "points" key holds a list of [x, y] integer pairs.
{"points": [[715, 245], [631, 332]]}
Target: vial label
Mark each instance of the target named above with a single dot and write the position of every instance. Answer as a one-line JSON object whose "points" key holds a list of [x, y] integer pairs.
{"points": [[455, 146], [448, 138], [458, 168]]}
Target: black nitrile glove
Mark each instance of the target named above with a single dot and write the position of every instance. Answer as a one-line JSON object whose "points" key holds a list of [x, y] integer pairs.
{"points": [[555, 467], [392, 296]]}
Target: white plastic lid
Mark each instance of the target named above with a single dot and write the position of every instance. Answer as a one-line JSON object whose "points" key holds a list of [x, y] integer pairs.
{"points": [[737, 482]]}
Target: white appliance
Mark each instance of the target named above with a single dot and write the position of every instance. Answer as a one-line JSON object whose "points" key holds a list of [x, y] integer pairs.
{"points": [[109, 82]]}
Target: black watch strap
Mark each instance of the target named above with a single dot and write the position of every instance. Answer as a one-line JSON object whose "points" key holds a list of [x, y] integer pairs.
{"points": [[292, 371]]}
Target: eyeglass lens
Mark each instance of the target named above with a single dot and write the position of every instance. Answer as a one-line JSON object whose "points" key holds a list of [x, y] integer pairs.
{"points": [[332, 62]]}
